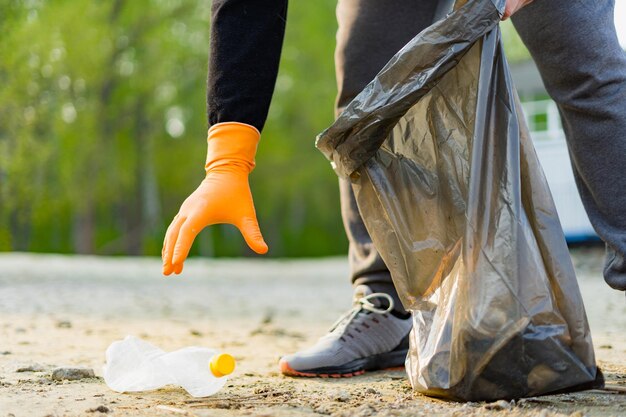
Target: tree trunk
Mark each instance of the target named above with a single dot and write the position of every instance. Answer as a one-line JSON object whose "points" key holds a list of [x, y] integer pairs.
{"points": [[83, 230]]}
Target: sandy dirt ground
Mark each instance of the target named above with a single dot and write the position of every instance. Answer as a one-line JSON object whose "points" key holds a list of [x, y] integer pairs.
{"points": [[64, 311]]}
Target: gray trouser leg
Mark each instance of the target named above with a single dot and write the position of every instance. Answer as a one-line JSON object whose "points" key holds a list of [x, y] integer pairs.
{"points": [[370, 33], [583, 68]]}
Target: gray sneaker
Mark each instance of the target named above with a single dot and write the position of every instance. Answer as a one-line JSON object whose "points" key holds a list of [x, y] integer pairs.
{"points": [[366, 338]]}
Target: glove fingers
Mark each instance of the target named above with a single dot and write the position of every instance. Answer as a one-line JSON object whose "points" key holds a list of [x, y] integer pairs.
{"points": [[186, 236], [170, 239], [249, 228]]}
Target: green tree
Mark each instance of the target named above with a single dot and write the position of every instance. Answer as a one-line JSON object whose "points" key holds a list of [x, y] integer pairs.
{"points": [[102, 116], [103, 127]]}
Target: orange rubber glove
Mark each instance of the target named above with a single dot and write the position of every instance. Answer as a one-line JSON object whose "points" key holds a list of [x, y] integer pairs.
{"points": [[223, 196]]}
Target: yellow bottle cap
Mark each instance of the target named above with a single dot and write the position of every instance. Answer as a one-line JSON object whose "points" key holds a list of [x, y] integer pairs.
{"points": [[222, 364]]}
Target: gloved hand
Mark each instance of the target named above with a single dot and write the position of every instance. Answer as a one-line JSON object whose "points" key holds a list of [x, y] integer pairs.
{"points": [[223, 196]]}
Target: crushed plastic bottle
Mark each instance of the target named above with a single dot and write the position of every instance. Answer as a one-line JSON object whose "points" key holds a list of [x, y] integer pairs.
{"points": [[136, 365]]}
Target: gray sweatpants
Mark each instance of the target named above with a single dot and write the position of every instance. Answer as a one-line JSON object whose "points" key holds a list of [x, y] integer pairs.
{"points": [[575, 47]]}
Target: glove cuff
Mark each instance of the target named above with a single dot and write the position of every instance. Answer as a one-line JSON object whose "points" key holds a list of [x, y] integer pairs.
{"points": [[232, 143]]}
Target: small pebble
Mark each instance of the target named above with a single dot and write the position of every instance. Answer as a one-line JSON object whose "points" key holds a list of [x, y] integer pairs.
{"points": [[6, 352], [195, 333], [99, 409], [72, 374], [371, 391], [268, 317], [498, 405], [577, 414], [64, 324], [35, 367], [341, 396], [261, 390]]}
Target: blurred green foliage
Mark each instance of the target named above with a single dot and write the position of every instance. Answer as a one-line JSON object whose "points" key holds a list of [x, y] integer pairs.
{"points": [[103, 127], [515, 49]]}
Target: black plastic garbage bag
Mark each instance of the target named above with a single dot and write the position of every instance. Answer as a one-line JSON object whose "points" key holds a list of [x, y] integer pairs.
{"points": [[452, 194]]}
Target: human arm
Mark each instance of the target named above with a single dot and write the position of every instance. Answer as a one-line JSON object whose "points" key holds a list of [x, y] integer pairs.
{"points": [[245, 46], [246, 40]]}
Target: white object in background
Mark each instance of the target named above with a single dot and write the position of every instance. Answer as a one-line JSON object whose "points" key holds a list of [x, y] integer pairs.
{"points": [[554, 159], [553, 155], [135, 365]]}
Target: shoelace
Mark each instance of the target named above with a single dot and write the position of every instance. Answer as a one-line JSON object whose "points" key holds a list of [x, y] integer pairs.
{"points": [[363, 303]]}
